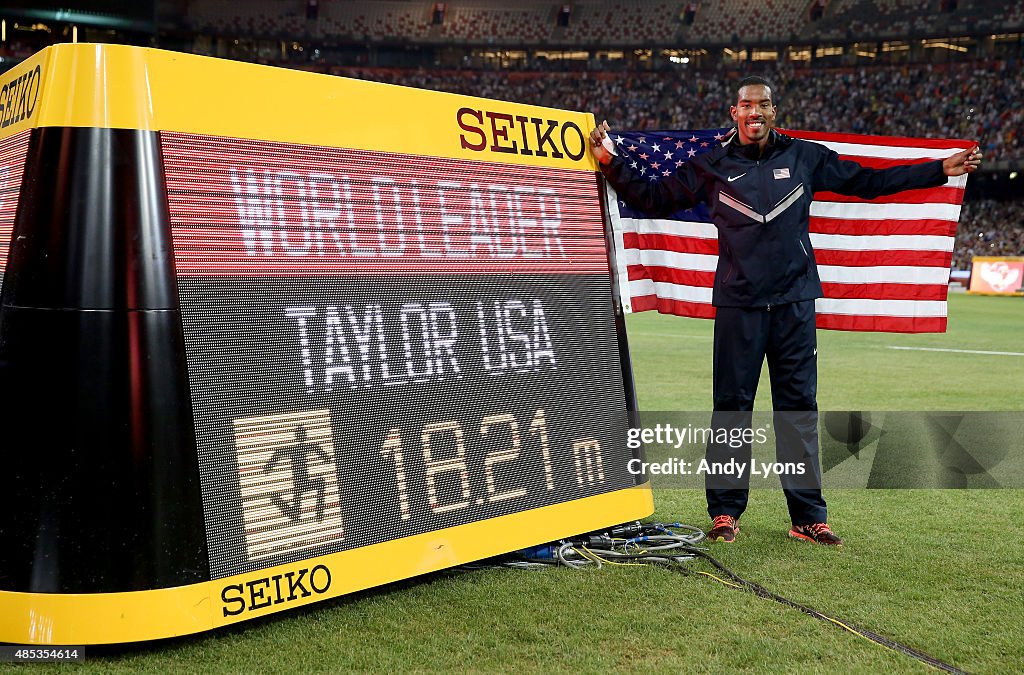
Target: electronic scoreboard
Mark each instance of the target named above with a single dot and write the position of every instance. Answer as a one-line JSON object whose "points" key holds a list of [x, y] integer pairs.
{"points": [[268, 337]]}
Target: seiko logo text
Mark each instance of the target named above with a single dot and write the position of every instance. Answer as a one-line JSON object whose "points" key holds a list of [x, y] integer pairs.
{"points": [[518, 134], [275, 590], [18, 98]]}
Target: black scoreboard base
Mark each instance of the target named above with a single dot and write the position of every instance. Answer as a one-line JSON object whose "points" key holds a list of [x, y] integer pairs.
{"points": [[274, 348]]}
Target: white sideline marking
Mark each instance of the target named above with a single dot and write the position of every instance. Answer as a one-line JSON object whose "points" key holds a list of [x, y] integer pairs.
{"points": [[958, 351]]}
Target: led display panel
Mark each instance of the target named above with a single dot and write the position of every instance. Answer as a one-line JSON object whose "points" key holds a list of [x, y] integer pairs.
{"points": [[382, 345]]}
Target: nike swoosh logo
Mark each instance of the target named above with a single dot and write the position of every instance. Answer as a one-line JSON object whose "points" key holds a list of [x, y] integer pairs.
{"points": [[732, 178]]}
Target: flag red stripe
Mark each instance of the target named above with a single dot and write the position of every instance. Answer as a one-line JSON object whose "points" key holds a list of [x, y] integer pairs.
{"points": [[935, 195], [699, 310], [924, 226], [644, 303], [670, 242], [885, 291], [671, 275], [887, 257], [883, 324]]}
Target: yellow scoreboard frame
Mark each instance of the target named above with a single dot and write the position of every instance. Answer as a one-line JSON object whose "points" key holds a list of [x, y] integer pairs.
{"points": [[107, 106]]}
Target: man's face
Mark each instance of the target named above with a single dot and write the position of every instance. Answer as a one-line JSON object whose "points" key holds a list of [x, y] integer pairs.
{"points": [[754, 114]]}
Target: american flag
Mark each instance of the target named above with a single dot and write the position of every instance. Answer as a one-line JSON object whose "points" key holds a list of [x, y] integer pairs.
{"points": [[884, 263]]}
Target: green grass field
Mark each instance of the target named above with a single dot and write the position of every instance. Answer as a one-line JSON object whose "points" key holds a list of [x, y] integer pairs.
{"points": [[939, 570]]}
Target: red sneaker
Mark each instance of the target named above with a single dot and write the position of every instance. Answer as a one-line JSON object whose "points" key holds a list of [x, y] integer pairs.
{"points": [[819, 533], [724, 528]]}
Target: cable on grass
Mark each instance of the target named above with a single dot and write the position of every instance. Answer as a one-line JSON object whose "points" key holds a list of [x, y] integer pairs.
{"points": [[675, 546]]}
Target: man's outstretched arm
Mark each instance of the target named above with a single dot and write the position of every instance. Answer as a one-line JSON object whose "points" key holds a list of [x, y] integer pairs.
{"points": [[849, 178]]}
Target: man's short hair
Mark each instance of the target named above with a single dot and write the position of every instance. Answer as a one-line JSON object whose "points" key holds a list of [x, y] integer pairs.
{"points": [[755, 80]]}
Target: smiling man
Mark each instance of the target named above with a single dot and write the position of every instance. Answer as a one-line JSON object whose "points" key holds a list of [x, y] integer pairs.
{"points": [[758, 185]]}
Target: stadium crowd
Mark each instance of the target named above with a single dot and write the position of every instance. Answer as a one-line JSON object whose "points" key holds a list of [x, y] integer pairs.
{"points": [[989, 228]]}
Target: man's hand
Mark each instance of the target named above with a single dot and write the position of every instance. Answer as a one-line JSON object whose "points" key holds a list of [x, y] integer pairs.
{"points": [[600, 145], [963, 162]]}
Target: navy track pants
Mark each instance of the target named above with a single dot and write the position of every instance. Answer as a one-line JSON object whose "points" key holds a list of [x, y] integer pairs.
{"points": [[744, 337]]}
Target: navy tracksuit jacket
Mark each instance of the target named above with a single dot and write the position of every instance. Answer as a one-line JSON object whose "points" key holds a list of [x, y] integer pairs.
{"points": [[765, 286]]}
